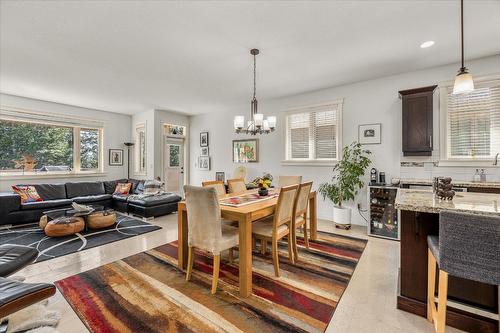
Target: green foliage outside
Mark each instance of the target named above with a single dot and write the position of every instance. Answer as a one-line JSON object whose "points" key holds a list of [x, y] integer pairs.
{"points": [[347, 175], [48, 145]]}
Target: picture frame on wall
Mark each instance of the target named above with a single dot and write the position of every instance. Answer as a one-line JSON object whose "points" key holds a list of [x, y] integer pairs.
{"points": [[370, 134], [204, 151], [204, 139], [246, 151], [116, 157], [204, 163], [220, 176]]}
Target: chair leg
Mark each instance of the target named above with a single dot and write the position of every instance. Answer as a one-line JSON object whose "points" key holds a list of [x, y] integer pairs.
{"points": [[231, 258], [295, 251], [263, 246], [440, 321], [291, 257], [431, 284], [215, 277], [189, 268], [276, 261], [306, 237]]}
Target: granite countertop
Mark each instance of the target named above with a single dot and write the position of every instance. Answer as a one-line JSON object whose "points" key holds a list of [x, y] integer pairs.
{"points": [[464, 202], [459, 183]]}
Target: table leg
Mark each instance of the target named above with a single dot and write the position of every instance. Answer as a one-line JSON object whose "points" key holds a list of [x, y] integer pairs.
{"points": [[245, 257], [313, 220], [182, 228]]}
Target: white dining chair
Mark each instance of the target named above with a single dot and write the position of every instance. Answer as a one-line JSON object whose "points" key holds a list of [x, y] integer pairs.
{"points": [[206, 230]]}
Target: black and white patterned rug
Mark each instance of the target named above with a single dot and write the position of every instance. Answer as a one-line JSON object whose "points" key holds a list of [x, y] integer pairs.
{"points": [[52, 247]]}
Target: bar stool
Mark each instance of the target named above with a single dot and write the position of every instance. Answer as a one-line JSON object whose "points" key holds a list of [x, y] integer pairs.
{"points": [[468, 247]]}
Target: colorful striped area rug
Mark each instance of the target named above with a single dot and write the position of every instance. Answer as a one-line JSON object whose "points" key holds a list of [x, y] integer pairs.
{"points": [[147, 293]]}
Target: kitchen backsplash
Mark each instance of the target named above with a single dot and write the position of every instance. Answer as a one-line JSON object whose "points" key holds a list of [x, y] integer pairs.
{"points": [[428, 170]]}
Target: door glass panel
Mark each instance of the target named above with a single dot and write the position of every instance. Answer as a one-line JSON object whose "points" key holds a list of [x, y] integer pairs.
{"points": [[174, 155]]}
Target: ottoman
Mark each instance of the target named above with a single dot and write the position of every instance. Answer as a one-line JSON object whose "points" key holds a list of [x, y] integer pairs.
{"points": [[102, 219], [62, 226]]}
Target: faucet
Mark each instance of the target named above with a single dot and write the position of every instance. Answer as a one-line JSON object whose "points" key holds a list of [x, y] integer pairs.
{"points": [[495, 161]]}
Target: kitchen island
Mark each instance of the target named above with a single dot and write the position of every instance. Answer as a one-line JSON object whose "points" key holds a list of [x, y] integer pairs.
{"points": [[419, 218]]}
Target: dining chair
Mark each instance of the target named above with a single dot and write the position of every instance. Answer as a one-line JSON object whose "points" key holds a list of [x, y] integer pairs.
{"points": [[236, 185], [289, 180], [240, 172], [275, 227], [218, 185], [300, 215], [206, 230], [467, 247]]}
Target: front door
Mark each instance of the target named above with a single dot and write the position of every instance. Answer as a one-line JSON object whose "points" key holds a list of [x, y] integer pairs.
{"points": [[174, 165]]}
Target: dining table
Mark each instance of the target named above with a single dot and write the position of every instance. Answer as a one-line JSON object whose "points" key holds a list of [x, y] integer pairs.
{"points": [[245, 215]]}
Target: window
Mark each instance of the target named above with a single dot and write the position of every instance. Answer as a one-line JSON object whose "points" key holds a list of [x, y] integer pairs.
{"points": [[140, 151], [41, 148], [473, 123], [312, 133]]}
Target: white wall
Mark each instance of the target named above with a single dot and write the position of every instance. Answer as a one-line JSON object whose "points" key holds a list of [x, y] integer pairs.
{"points": [[116, 132], [373, 101]]}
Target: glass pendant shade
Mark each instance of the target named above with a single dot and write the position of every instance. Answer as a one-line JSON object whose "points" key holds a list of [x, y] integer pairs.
{"points": [[463, 83], [272, 121], [239, 122], [258, 118]]}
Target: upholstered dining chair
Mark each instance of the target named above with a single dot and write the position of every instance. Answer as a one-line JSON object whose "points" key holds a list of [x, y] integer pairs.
{"points": [[218, 185], [300, 215], [275, 227], [467, 247], [289, 180], [236, 185], [206, 230]]}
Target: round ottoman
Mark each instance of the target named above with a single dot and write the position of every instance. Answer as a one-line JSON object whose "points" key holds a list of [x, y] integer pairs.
{"points": [[64, 226], [103, 219]]}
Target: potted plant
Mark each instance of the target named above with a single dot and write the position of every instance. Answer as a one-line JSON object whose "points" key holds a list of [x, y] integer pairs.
{"points": [[346, 182], [263, 183]]}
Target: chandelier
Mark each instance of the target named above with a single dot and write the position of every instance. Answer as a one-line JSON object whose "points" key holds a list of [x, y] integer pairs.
{"points": [[257, 124]]}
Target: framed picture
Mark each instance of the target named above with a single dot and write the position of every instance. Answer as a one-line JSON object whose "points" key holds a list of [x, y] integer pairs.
{"points": [[220, 176], [204, 151], [245, 151], [116, 157], [204, 139], [204, 163], [370, 134]]}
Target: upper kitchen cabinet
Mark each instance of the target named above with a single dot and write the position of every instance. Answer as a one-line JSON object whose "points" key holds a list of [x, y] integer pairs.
{"points": [[417, 121]]}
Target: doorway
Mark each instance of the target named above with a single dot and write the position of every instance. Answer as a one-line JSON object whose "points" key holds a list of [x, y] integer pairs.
{"points": [[174, 165]]}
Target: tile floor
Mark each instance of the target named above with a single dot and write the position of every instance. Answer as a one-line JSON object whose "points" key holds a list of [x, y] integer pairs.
{"points": [[368, 305]]}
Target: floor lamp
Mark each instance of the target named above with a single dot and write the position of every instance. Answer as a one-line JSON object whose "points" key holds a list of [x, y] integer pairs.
{"points": [[129, 145]]}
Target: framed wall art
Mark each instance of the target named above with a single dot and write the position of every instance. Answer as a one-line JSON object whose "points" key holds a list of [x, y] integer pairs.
{"points": [[204, 139], [204, 163], [245, 151], [116, 157], [370, 134]]}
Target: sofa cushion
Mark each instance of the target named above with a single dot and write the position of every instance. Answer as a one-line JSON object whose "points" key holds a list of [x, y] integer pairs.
{"points": [[155, 200], [46, 204], [120, 198], [28, 193], [82, 189], [92, 198], [135, 185], [51, 191], [110, 185]]}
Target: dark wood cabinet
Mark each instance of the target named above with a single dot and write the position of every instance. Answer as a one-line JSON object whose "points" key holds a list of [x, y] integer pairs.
{"points": [[417, 121]]}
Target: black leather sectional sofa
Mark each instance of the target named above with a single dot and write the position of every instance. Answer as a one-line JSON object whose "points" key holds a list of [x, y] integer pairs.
{"points": [[56, 196]]}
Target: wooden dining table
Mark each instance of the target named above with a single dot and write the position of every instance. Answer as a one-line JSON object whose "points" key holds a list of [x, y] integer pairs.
{"points": [[244, 215]]}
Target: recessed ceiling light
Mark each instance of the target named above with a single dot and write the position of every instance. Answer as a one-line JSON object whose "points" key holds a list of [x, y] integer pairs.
{"points": [[427, 44]]}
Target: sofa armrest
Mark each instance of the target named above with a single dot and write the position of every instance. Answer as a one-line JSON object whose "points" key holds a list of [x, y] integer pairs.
{"points": [[9, 202]]}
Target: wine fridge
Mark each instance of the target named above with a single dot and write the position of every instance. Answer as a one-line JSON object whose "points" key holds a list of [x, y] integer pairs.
{"points": [[384, 217]]}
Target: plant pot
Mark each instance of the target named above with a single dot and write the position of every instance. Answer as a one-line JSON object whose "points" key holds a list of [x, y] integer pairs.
{"points": [[342, 217], [263, 192]]}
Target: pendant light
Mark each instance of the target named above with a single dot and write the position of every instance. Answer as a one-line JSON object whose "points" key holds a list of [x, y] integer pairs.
{"points": [[257, 124], [463, 81]]}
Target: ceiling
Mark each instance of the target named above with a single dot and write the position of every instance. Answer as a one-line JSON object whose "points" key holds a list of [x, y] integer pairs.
{"points": [[193, 57]]}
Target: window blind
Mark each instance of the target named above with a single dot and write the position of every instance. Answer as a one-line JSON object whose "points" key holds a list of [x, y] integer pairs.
{"points": [[312, 133], [474, 122]]}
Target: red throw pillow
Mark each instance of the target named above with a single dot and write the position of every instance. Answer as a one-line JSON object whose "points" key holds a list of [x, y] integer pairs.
{"points": [[28, 193], [122, 188]]}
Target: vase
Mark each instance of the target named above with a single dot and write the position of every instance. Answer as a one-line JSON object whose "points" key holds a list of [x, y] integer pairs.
{"points": [[263, 192]]}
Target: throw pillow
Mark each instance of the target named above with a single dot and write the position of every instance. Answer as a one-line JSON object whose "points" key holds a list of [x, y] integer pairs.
{"points": [[122, 188], [28, 193], [152, 186]]}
